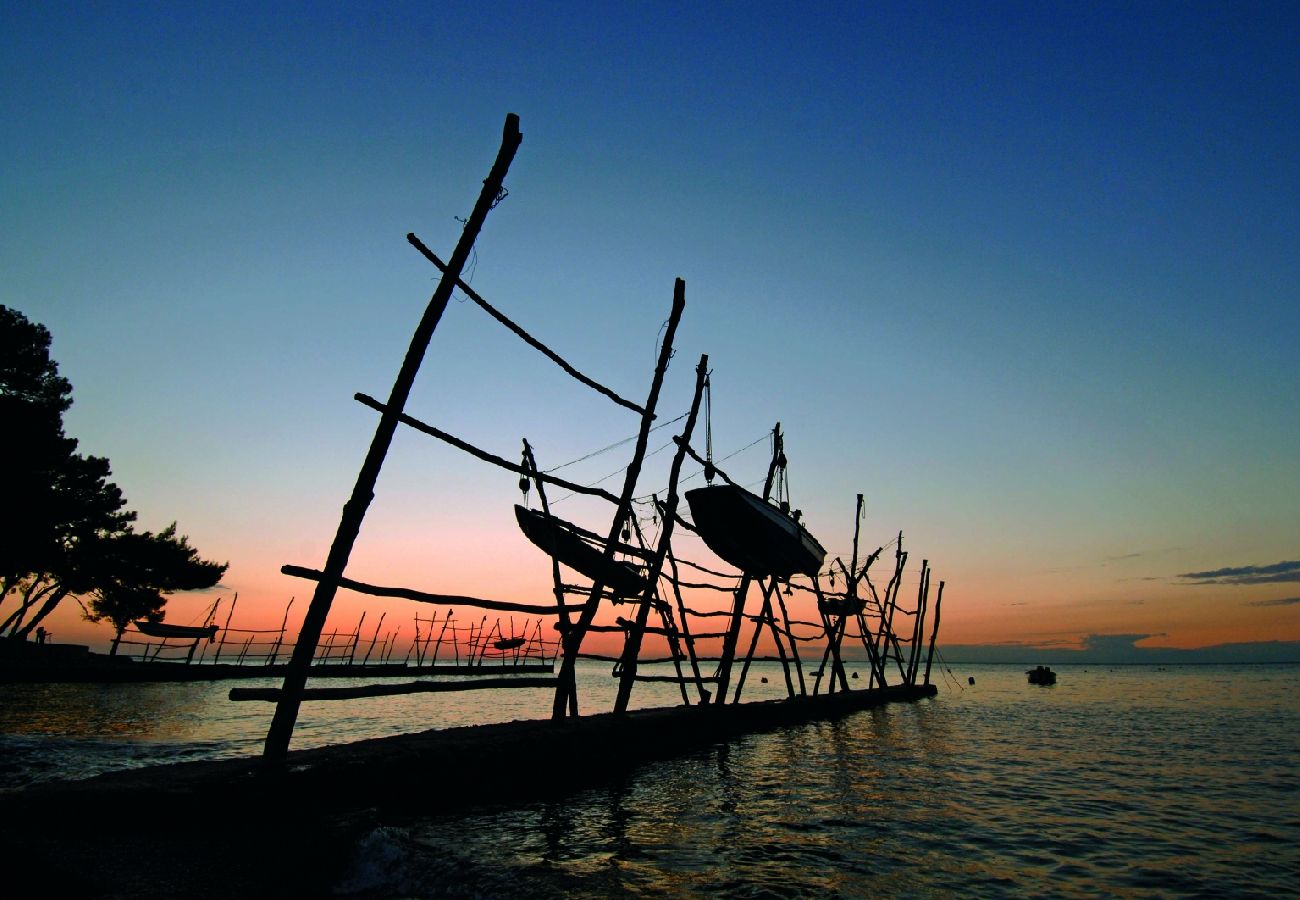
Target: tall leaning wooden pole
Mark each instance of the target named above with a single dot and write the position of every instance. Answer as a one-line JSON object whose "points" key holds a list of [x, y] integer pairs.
{"points": [[354, 511], [566, 691]]}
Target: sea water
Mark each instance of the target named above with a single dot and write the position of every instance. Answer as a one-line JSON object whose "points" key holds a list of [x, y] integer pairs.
{"points": [[1131, 781]]}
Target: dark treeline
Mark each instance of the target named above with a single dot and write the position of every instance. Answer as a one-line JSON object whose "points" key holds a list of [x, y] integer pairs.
{"points": [[67, 531]]}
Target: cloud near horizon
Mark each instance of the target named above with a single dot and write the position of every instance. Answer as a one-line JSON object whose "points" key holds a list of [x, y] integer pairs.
{"points": [[1281, 601], [1115, 641], [1277, 572]]}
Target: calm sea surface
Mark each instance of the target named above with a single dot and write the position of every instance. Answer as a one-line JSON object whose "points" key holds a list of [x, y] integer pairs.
{"points": [[1131, 781]]}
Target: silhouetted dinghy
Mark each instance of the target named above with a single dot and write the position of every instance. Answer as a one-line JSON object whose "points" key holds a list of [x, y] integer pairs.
{"points": [[752, 534], [1041, 675], [164, 630], [842, 606], [508, 643], [571, 546]]}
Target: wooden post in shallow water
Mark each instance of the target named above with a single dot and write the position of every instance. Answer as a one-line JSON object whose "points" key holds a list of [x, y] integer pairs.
{"points": [[279, 640], [567, 691], [759, 621], [776, 638], [794, 647], [687, 638], [934, 635], [216, 657], [918, 626], [532, 472], [632, 643], [728, 654], [887, 639], [363, 492]]}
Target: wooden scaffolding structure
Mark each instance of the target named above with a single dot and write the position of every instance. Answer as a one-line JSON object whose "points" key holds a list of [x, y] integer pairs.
{"points": [[844, 616]]}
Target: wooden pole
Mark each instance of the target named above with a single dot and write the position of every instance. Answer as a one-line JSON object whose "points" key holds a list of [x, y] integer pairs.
{"points": [[573, 638], [212, 615], [354, 511], [632, 644], [864, 630], [356, 638], [390, 690], [776, 636], [375, 590], [370, 649], [216, 657], [428, 637], [424, 428], [738, 605], [487, 638], [445, 622], [934, 635], [687, 638], [759, 621], [671, 630], [794, 644], [519, 332], [530, 464], [918, 627], [834, 628], [279, 640], [887, 636]]}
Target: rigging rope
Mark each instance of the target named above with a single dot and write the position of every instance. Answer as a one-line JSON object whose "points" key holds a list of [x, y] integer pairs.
{"points": [[612, 446], [646, 497], [708, 428]]}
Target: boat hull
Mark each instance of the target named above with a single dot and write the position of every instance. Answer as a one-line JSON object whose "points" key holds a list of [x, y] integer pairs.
{"points": [[556, 538], [180, 632], [752, 534]]}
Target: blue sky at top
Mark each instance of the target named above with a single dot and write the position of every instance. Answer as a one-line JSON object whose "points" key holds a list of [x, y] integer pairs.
{"points": [[1023, 273]]}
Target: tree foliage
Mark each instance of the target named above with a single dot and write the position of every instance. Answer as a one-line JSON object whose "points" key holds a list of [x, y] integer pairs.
{"points": [[131, 571], [66, 528]]}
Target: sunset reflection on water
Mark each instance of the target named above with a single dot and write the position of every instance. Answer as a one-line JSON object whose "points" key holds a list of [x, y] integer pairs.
{"points": [[1127, 780]]}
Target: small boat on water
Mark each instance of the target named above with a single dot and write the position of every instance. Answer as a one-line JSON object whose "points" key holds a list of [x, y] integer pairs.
{"points": [[580, 550], [1041, 675], [508, 643], [752, 534]]}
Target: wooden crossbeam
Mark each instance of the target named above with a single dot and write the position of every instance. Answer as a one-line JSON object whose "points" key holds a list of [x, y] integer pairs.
{"points": [[421, 596], [390, 690], [527, 338], [426, 428]]}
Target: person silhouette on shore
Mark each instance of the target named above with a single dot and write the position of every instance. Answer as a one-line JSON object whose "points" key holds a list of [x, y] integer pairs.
{"points": [[40, 634]]}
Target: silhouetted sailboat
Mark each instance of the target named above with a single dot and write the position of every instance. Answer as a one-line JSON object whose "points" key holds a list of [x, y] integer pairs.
{"points": [[752, 534]]}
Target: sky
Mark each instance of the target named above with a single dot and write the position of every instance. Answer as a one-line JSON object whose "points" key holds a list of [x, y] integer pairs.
{"points": [[1024, 275]]}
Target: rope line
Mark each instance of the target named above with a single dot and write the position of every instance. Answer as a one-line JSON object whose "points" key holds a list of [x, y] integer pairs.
{"points": [[616, 444]]}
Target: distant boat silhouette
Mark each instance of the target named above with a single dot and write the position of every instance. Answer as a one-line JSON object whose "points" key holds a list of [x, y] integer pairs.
{"points": [[508, 643], [1041, 675], [165, 630], [752, 534], [579, 550]]}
